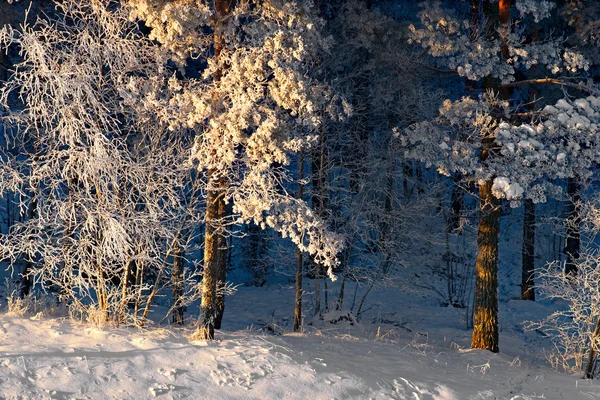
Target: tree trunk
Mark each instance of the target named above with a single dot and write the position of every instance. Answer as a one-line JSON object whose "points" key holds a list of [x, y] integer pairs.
{"points": [[485, 318], [572, 240], [215, 242], [386, 230], [528, 252], [177, 284], [25, 278], [221, 261], [589, 369], [213, 259], [319, 203], [300, 260], [485, 313]]}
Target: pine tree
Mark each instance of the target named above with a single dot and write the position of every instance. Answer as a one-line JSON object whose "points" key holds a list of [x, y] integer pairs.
{"points": [[490, 152], [257, 103]]}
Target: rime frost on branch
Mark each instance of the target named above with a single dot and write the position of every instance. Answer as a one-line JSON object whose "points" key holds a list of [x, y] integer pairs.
{"points": [[564, 142], [447, 38], [255, 106], [538, 9], [101, 185]]}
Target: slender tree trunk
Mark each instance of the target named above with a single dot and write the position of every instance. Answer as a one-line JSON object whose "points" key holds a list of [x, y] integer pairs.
{"points": [[572, 240], [386, 231], [299, 257], [589, 369], [319, 202], [528, 252], [125, 290], [222, 262], [25, 278], [177, 284]]}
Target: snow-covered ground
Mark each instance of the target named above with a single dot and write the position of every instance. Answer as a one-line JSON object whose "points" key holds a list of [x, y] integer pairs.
{"points": [[407, 345], [423, 355]]}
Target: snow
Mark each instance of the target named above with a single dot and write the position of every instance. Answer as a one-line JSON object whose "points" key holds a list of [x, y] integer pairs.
{"points": [[564, 105], [405, 345], [61, 359], [503, 188]]}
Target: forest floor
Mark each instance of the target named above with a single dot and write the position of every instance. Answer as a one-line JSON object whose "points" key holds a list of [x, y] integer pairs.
{"points": [[407, 344], [418, 352]]}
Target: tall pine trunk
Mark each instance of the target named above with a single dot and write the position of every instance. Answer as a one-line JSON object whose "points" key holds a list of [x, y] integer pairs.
{"points": [[572, 240], [214, 259], [215, 242], [299, 256], [528, 252], [485, 316]]}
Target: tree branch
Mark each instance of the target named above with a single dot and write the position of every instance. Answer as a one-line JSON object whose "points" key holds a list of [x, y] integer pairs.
{"points": [[552, 81]]}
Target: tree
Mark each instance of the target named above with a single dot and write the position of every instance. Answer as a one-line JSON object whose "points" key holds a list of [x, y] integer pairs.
{"points": [[258, 102], [90, 168], [501, 167]]}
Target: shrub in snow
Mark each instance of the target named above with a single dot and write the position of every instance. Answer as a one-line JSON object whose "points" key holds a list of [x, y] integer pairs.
{"points": [[102, 186], [575, 330]]}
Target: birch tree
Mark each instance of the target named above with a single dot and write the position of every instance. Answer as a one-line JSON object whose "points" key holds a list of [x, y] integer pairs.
{"points": [[91, 170]]}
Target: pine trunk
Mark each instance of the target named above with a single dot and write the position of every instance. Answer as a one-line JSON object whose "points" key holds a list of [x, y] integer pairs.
{"points": [[572, 240], [485, 318], [300, 259], [528, 252], [485, 313], [213, 259], [215, 242]]}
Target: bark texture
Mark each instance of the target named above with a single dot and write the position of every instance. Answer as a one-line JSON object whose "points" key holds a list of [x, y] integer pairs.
{"points": [[485, 318], [215, 261]]}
